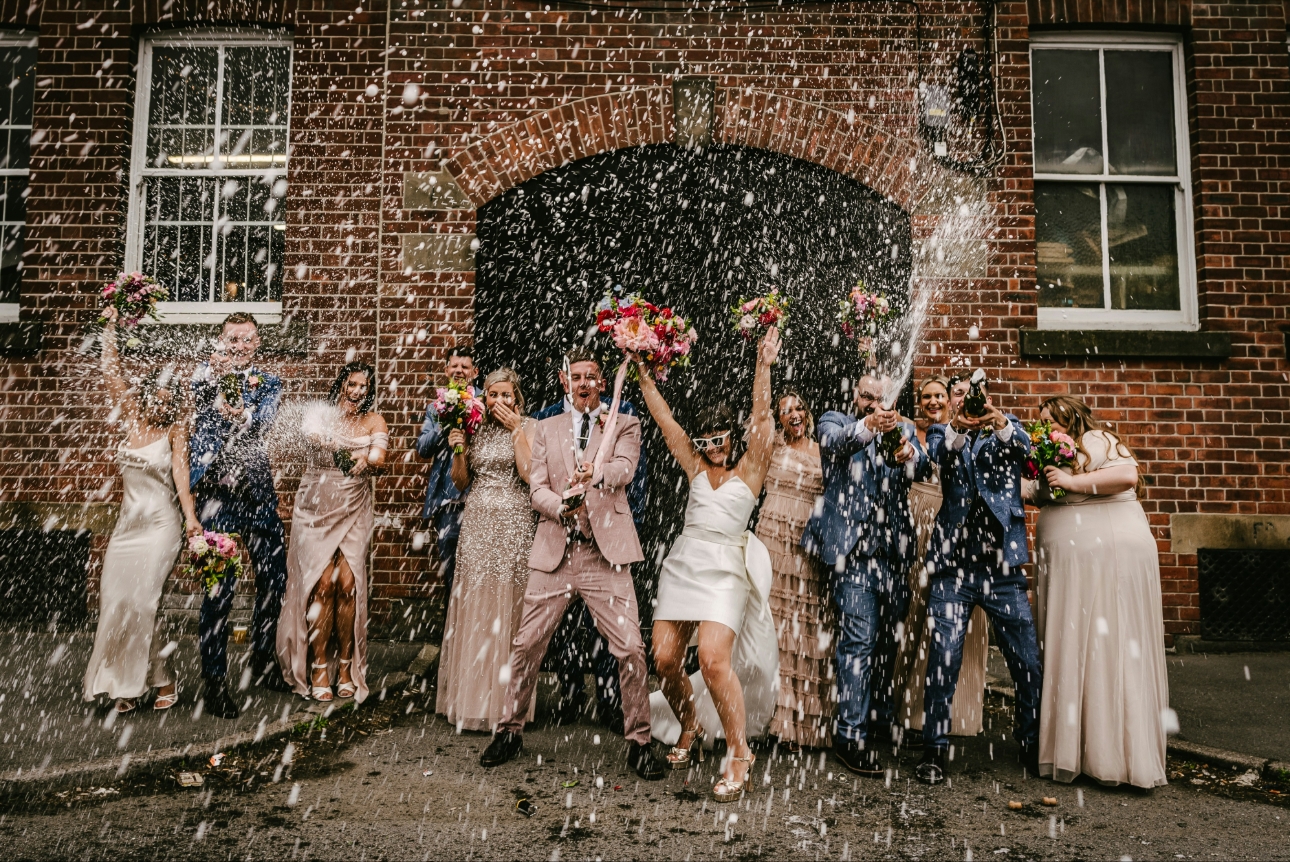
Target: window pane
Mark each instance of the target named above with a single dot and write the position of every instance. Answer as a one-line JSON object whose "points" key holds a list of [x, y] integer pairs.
{"points": [[17, 68], [1140, 112], [177, 235], [1068, 113], [257, 82], [10, 262], [1143, 242], [250, 243], [1068, 244], [181, 107]]}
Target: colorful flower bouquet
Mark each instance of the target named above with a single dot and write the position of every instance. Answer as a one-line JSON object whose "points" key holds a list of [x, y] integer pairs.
{"points": [[134, 296], [214, 557], [751, 316], [458, 406], [230, 389], [1048, 448], [861, 313], [659, 337]]}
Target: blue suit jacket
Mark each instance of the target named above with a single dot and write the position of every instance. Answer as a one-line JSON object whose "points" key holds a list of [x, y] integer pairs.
{"points": [[637, 490], [433, 443], [217, 450], [986, 468], [865, 504]]}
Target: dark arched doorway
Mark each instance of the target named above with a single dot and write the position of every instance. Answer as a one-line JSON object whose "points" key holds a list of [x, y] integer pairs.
{"points": [[694, 229]]}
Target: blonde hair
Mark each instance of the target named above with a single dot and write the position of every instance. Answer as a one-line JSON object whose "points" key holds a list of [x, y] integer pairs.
{"points": [[507, 375], [802, 402]]}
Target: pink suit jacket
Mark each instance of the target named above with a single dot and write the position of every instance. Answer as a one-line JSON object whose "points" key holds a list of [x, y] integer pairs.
{"points": [[607, 509]]}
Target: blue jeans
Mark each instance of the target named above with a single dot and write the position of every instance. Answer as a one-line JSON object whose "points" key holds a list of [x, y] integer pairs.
{"points": [[949, 606], [871, 595], [260, 529]]}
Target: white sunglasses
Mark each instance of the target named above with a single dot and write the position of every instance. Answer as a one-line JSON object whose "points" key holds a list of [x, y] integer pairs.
{"points": [[703, 444]]}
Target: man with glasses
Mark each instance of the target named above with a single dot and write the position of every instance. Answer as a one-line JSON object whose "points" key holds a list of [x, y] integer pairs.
{"points": [[864, 532], [577, 640]]}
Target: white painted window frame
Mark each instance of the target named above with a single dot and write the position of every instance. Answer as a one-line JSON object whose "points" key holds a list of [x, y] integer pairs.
{"points": [[14, 39], [1186, 318], [192, 312]]}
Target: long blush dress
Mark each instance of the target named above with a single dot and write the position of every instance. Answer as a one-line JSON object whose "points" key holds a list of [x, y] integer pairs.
{"points": [[803, 616], [1102, 632], [968, 707], [333, 512], [145, 544], [487, 600]]}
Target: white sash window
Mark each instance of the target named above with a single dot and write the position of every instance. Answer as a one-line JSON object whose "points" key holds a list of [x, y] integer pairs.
{"points": [[18, 79]]}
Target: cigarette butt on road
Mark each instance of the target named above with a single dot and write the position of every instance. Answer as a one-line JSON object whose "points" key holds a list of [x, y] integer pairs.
{"points": [[190, 779], [1015, 805], [1050, 800]]}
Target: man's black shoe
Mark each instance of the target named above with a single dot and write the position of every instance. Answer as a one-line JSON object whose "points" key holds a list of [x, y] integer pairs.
{"points": [[266, 673], [862, 761], [216, 702], [504, 748], [931, 770], [1030, 759], [642, 759]]}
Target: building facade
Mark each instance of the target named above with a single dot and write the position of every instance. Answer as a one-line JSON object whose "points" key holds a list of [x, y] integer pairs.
{"points": [[1090, 194]]}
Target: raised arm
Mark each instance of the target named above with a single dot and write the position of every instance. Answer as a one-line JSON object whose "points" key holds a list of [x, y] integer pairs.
{"points": [[678, 442], [761, 430], [110, 363]]}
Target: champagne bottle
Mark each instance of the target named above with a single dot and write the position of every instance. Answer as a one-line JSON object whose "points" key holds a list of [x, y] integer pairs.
{"points": [[230, 386], [974, 400], [891, 442]]}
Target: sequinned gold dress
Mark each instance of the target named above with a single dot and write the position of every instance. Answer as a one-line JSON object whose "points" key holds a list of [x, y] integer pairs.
{"points": [[487, 598], [798, 603]]}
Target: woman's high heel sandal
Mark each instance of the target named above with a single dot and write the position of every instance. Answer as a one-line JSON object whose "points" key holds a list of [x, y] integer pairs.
{"points": [[346, 690], [681, 756], [320, 693], [726, 790]]}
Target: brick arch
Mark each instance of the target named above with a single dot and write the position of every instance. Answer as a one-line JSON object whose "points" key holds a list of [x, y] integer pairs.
{"points": [[895, 167]]}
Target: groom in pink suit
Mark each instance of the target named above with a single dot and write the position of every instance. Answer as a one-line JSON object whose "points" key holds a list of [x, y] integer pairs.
{"points": [[585, 548]]}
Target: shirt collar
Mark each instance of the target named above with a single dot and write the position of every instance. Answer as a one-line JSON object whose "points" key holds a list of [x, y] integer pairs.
{"points": [[568, 408]]}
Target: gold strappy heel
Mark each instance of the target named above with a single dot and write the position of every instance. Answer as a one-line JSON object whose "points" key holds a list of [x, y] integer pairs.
{"points": [[726, 790], [680, 757]]}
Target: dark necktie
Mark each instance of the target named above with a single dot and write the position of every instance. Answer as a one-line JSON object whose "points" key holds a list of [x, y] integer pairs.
{"points": [[584, 432]]}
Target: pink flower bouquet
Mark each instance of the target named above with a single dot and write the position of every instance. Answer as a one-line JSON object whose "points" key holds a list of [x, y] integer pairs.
{"points": [[458, 406], [659, 337], [213, 557], [861, 312], [753, 316], [1048, 448], [134, 296]]}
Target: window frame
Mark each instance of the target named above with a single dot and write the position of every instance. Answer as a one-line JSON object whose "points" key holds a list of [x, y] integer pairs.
{"points": [[16, 39], [210, 311], [1186, 318]]}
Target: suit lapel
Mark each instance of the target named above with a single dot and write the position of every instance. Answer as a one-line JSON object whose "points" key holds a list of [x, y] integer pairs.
{"points": [[564, 436]]}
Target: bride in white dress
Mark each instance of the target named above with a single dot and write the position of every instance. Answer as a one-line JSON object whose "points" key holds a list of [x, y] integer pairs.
{"points": [[716, 582], [156, 510]]}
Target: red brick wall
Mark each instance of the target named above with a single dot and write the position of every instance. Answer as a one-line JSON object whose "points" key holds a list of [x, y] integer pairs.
{"points": [[831, 84]]}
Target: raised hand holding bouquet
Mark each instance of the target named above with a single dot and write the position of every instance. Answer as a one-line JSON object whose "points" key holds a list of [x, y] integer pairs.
{"points": [[658, 337], [1048, 448], [861, 313], [134, 296], [458, 405], [752, 317], [213, 557]]}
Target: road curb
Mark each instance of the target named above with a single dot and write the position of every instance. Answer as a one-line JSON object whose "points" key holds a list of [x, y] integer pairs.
{"points": [[132, 764]]}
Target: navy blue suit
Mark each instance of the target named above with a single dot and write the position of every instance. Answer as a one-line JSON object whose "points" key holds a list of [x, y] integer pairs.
{"points": [[973, 558], [863, 530], [577, 638], [443, 500], [232, 487]]}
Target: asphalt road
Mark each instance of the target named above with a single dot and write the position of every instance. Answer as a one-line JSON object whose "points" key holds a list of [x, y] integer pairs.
{"points": [[393, 782]]}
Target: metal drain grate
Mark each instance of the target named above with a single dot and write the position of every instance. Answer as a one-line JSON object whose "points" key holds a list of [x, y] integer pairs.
{"points": [[1244, 595]]}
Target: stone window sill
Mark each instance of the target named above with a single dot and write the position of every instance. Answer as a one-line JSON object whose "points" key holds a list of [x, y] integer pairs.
{"points": [[1102, 343]]}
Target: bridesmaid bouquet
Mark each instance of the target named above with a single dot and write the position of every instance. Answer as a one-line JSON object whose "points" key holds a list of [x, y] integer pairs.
{"points": [[214, 557], [661, 338], [1048, 448], [861, 313], [458, 406], [753, 316], [134, 296]]}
